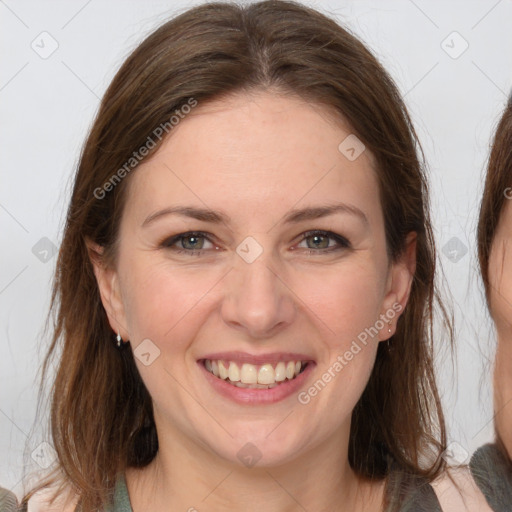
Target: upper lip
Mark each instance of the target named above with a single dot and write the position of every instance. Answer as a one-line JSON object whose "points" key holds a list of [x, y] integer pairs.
{"points": [[257, 359]]}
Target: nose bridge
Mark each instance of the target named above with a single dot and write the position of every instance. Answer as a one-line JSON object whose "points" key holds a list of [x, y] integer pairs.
{"points": [[256, 298]]}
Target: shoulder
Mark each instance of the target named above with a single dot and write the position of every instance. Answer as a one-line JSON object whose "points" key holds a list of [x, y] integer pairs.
{"points": [[490, 461], [8, 501], [410, 492], [492, 472], [457, 492], [60, 497], [46, 500]]}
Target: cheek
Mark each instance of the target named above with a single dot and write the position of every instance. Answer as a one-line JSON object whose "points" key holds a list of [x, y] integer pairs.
{"points": [[348, 301], [347, 298], [344, 304], [500, 281], [161, 300], [169, 307]]}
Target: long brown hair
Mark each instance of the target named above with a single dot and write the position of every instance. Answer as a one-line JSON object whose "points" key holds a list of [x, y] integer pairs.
{"points": [[101, 413]]}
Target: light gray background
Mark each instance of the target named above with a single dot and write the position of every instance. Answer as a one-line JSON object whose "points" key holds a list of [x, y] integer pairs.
{"points": [[47, 105]]}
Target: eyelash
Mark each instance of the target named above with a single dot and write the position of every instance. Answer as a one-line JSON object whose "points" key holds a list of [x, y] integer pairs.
{"points": [[342, 242]]}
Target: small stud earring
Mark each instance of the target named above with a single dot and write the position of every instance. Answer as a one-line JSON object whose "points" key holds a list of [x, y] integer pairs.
{"points": [[119, 339], [389, 328]]}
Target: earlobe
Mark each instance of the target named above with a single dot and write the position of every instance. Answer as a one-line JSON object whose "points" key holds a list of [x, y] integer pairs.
{"points": [[392, 311], [108, 285]]}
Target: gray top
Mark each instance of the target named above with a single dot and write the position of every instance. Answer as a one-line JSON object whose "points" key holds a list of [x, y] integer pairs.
{"points": [[492, 472], [121, 501], [8, 501], [407, 492]]}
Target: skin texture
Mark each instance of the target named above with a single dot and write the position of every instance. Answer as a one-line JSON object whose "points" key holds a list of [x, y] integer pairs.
{"points": [[457, 491], [254, 157], [500, 279]]}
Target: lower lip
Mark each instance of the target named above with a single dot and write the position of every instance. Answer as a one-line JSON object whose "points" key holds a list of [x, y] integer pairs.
{"points": [[257, 396]]}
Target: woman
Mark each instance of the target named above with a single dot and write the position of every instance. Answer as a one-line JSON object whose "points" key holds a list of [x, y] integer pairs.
{"points": [[245, 287], [491, 465]]}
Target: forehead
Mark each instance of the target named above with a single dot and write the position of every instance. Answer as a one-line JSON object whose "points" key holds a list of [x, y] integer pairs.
{"points": [[246, 151]]}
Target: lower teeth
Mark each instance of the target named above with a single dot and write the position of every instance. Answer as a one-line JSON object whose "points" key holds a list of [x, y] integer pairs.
{"points": [[253, 386]]}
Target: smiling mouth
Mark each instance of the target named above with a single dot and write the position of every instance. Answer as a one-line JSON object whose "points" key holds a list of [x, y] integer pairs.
{"points": [[265, 376]]}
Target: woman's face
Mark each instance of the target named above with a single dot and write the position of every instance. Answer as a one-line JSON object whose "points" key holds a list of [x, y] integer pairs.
{"points": [[255, 288], [500, 295]]}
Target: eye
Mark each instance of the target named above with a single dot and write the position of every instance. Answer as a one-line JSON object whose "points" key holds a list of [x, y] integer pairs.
{"points": [[320, 241], [192, 242]]}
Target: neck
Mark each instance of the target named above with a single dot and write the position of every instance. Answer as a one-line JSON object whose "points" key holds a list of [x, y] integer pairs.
{"points": [[187, 476]]}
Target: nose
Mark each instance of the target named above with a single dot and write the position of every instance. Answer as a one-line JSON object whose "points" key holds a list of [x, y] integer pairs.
{"points": [[257, 299]]}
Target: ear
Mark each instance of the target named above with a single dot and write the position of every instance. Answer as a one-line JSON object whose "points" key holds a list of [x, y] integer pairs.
{"points": [[108, 285], [398, 286]]}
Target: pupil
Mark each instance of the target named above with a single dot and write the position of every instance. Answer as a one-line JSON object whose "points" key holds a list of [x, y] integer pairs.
{"points": [[317, 238], [192, 238]]}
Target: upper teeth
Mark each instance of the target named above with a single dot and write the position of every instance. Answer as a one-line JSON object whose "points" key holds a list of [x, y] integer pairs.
{"points": [[254, 374]]}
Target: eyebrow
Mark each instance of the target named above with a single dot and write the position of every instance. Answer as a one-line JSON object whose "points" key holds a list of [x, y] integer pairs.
{"points": [[294, 216]]}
